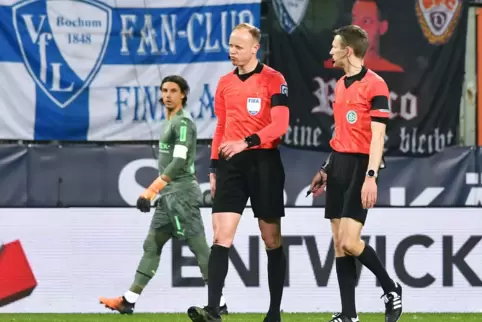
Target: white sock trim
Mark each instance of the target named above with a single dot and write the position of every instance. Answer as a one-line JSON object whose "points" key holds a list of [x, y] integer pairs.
{"points": [[131, 297]]}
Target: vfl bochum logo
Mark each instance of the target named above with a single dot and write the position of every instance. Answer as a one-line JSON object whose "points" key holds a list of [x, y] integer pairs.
{"points": [[62, 43], [290, 13]]}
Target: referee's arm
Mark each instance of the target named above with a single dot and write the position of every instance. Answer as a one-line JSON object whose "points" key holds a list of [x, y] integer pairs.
{"points": [[379, 113], [280, 113], [376, 145], [220, 111]]}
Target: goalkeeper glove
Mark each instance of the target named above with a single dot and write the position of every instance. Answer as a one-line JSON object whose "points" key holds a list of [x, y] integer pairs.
{"points": [[144, 200]]}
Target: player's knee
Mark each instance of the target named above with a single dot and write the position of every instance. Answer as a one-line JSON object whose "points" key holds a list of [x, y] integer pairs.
{"points": [[272, 243], [150, 246], [223, 238], [270, 232], [337, 245], [348, 245], [271, 240], [336, 233], [224, 226], [223, 235]]}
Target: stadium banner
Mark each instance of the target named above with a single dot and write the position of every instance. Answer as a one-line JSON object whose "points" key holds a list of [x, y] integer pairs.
{"points": [[417, 46], [91, 69], [78, 255], [114, 176], [475, 3]]}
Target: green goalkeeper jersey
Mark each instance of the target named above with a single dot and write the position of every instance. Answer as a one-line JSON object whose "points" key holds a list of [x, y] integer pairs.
{"points": [[177, 151]]}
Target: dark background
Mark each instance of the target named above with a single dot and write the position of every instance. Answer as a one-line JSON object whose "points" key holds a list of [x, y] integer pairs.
{"points": [[433, 73]]}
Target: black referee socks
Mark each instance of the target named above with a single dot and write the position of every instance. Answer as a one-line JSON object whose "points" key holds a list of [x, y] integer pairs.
{"points": [[276, 277], [217, 271], [369, 258], [346, 272]]}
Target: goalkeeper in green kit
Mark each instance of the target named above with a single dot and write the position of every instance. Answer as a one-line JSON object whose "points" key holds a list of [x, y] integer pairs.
{"points": [[177, 212]]}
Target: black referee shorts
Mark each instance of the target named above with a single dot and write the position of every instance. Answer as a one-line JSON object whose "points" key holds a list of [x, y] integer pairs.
{"points": [[256, 174], [345, 177]]}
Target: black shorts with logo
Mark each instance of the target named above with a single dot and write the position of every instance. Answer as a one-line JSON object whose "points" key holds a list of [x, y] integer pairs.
{"points": [[345, 177], [256, 174]]}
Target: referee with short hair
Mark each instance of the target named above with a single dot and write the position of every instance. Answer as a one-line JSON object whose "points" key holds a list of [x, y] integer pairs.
{"points": [[251, 104], [361, 112]]}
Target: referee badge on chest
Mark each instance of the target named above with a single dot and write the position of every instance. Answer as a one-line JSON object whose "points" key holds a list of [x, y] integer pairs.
{"points": [[351, 117], [253, 105]]}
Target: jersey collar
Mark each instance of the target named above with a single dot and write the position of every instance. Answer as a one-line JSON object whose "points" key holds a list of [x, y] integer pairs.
{"points": [[244, 77], [348, 80]]}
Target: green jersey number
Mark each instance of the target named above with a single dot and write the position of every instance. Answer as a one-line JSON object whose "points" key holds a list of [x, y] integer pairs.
{"points": [[183, 133]]}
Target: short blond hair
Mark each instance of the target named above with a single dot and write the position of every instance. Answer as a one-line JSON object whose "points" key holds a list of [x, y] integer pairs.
{"points": [[253, 30]]}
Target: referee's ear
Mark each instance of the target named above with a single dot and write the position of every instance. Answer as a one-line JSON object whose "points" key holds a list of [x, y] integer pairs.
{"points": [[256, 48]]}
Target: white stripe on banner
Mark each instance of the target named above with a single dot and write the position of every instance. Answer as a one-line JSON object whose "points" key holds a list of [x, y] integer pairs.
{"points": [[79, 254], [17, 108], [96, 66], [133, 111]]}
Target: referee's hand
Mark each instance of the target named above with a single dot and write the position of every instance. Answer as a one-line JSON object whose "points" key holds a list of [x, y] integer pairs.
{"points": [[231, 148], [369, 193], [318, 183]]}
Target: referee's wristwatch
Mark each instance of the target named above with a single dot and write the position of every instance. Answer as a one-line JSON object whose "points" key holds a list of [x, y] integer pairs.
{"points": [[372, 174]]}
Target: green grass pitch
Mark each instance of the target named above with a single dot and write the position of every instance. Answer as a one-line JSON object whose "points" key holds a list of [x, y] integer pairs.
{"points": [[294, 317]]}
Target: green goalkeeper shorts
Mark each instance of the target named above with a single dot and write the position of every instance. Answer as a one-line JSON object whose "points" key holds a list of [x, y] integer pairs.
{"points": [[178, 213]]}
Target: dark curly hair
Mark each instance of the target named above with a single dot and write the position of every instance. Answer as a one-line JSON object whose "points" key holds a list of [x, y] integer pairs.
{"points": [[181, 82]]}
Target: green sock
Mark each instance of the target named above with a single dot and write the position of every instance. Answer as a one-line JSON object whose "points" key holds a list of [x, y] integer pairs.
{"points": [[149, 263]]}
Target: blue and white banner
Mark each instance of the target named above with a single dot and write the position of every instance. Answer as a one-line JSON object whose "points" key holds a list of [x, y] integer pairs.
{"points": [[91, 69]]}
